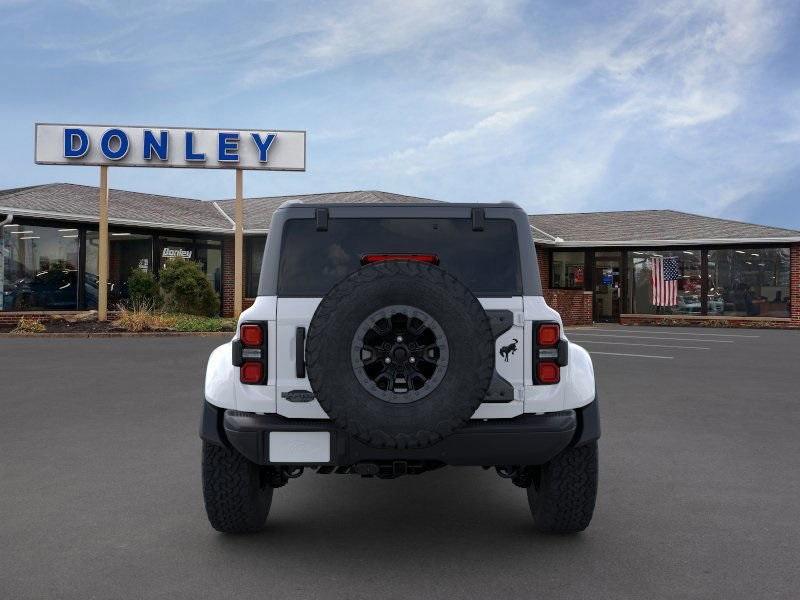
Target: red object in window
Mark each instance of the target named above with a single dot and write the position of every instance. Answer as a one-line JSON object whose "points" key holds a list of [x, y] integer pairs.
{"points": [[368, 259], [548, 372], [251, 372], [548, 335], [251, 335]]}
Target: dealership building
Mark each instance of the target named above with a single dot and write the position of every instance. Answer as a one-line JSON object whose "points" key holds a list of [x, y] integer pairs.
{"points": [[648, 266]]}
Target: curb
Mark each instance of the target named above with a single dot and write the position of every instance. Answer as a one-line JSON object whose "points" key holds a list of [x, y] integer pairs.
{"points": [[119, 334]]}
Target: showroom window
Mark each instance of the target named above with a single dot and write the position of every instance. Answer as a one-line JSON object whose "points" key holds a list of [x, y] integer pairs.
{"points": [[39, 267], [567, 270], [209, 255], [254, 253], [748, 282], [666, 282], [205, 252], [128, 251], [176, 247]]}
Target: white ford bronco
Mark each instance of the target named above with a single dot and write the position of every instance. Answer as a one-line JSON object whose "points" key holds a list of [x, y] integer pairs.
{"points": [[395, 339]]}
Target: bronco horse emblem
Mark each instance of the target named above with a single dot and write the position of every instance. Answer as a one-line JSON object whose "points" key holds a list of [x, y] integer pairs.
{"points": [[510, 349]]}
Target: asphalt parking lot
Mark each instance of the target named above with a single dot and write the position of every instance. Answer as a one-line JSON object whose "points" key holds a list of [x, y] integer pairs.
{"points": [[699, 492]]}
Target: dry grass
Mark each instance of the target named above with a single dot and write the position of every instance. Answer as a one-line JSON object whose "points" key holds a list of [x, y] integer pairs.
{"points": [[142, 317], [28, 325]]}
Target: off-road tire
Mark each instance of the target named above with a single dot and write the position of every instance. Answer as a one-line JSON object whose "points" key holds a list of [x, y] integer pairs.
{"points": [[455, 398], [563, 492], [236, 492]]}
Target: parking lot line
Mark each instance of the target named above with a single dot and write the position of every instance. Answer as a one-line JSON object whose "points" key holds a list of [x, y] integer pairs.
{"points": [[634, 332], [647, 345], [635, 355], [649, 337]]}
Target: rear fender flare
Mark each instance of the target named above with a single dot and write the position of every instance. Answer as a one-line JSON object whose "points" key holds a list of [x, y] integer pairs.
{"points": [[221, 378]]}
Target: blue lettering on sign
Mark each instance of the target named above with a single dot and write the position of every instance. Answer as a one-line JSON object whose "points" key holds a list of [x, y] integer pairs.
{"points": [[228, 142], [159, 146], [71, 136], [190, 153], [122, 148], [263, 145]]}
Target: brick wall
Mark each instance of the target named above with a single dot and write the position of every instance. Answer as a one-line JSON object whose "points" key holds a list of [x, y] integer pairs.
{"points": [[794, 283], [228, 277], [228, 274], [13, 317], [574, 306], [709, 321], [246, 302], [542, 257]]}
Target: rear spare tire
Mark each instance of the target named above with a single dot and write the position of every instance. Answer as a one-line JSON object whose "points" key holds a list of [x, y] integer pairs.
{"points": [[400, 354]]}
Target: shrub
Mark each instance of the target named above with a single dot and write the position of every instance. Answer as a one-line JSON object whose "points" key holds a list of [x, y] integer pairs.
{"points": [[186, 289], [143, 289], [195, 323], [141, 316], [28, 325]]}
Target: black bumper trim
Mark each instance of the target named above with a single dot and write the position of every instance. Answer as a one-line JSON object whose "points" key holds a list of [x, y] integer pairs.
{"points": [[527, 439], [524, 440], [211, 428], [588, 423]]}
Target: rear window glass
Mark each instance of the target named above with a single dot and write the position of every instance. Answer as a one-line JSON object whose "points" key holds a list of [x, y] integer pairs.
{"points": [[312, 261]]}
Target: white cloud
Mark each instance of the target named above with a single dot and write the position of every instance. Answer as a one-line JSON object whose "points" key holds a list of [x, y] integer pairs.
{"points": [[681, 67], [474, 144], [566, 178], [334, 35]]}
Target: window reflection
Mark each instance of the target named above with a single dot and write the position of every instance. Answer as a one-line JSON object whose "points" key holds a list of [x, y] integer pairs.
{"points": [[747, 282], [567, 270], [39, 268], [128, 251], [209, 255], [255, 256], [666, 282]]}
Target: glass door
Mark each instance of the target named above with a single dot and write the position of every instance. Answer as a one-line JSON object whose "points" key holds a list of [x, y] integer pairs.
{"points": [[607, 286]]}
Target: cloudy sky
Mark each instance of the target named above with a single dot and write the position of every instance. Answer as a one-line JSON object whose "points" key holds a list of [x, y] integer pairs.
{"points": [[559, 106]]}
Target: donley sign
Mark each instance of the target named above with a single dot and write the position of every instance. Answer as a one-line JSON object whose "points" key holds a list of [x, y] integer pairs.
{"points": [[189, 148], [121, 146]]}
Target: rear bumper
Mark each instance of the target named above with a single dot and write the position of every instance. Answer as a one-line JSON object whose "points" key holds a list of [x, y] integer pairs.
{"points": [[524, 440]]}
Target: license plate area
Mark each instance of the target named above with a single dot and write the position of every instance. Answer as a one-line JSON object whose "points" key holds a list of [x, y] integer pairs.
{"points": [[299, 447]]}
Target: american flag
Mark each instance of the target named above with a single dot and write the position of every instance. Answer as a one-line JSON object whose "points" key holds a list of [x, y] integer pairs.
{"points": [[664, 277]]}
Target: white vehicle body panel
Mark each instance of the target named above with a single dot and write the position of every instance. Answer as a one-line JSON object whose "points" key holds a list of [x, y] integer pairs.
{"points": [[285, 315]]}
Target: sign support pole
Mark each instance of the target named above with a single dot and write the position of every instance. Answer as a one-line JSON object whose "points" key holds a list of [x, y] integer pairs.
{"points": [[238, 247], [102, 258]]}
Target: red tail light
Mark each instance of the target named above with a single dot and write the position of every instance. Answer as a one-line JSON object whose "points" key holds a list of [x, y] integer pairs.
{"points": [[548, 373], [251, 335], [251, 372], [250, 353], [549, 334], [550, 353], [368, 259]]}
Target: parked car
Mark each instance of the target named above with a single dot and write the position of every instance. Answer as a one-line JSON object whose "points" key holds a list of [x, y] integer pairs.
{"points": [[52, 289]]}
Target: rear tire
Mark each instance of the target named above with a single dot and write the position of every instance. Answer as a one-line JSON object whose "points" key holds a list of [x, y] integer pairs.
{"points": [[236, 492], [563, 492]]}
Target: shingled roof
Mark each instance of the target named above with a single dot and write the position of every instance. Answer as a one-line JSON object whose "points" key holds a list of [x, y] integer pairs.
{"points": [[636, 227], [68, 201], [79, 203]]}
